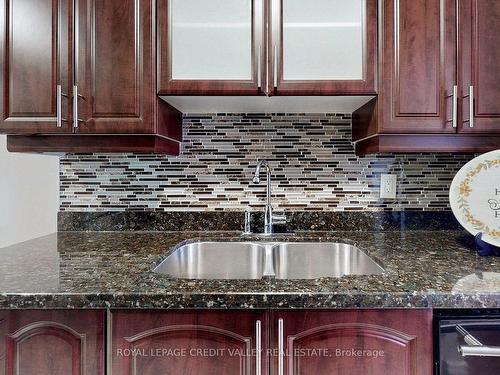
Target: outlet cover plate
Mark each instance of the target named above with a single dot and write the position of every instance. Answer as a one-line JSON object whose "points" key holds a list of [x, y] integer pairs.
{"points": [[388, 186]]}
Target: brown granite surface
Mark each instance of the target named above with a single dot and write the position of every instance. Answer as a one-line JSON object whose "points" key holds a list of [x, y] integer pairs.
{"points": [[113, 269]]}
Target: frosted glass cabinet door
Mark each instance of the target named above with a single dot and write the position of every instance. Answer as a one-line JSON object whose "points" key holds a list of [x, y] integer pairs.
{"points": [[324, 46], [211, 46]]}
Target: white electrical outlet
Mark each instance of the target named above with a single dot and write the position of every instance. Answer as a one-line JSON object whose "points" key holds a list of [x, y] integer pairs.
{"points": [[388, 185]]}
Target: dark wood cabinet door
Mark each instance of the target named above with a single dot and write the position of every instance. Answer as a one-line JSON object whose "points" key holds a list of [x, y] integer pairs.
{"points": [[115, 59], [353, 342], [202, 342], [211, 48], [326, 48], [418, 66], [479, 62], [51, 342], [35, 58]]}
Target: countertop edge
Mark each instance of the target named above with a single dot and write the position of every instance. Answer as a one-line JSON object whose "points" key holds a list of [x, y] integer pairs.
{"points": [[20, 301]]}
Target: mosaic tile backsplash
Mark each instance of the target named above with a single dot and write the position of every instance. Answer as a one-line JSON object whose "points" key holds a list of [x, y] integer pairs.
{"points": [[313, 167]]}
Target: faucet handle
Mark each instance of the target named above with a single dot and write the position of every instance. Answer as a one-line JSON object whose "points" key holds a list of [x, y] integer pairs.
{"points": [[248, 222], [279, 219]]}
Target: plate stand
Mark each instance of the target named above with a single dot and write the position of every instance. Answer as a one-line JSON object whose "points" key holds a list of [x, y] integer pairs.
{"points": [[484, 248]]}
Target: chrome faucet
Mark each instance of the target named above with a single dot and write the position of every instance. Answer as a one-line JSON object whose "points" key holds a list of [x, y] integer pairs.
{"points": [[269, 218]]}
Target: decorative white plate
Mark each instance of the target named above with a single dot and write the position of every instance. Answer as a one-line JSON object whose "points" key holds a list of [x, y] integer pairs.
{"points": [[475, 196]]}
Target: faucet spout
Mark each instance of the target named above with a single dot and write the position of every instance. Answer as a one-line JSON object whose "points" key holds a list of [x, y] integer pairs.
{"points": [[268, 218]]}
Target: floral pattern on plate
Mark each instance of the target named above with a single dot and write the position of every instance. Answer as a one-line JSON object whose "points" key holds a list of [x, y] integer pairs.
{"points": [[475, 196]]}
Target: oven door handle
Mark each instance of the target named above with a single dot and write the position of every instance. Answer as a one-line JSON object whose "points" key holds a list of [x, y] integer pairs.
{"points": [[479, 351], [475, 347]]}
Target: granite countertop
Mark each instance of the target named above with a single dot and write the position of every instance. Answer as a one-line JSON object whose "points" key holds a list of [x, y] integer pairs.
{"points": [[113, 269]]}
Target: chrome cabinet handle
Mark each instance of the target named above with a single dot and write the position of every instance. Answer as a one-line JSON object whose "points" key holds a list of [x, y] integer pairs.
{"points": [[275, 66], [76, 96], [475, 347], [280, 347], [454, 114], [259, 68], [75, 107], [59, 95], [455, 106], [258, 347], [471, 106]]}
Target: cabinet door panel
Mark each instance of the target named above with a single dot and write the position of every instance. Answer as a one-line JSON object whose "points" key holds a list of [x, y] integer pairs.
{"points": [[35, 58], [418, 66], [479, 59], [52, 343], [186, 342], [196, 25], [384, 342], [213, 47], [325, 47], [115, 62]]}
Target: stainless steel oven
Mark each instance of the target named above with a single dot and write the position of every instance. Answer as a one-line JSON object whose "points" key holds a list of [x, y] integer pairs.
{"points": [[467, 342]]}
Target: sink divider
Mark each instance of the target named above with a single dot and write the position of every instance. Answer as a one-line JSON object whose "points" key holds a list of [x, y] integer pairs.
{"points": [[269, 269]]}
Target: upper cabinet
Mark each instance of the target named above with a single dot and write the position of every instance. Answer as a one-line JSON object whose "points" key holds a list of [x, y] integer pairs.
{"points": [[80, 76], [417, 75], [36, 65], [114, 82], [325, 47], [439, 72], [211, 47], [271, 47], [107, 76], [479, 61]]}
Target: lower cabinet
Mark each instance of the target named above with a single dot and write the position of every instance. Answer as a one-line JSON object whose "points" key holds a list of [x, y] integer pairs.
{"points": [[352, 342], [301, 342], [195, 342], [216, 342], [51, 342]]}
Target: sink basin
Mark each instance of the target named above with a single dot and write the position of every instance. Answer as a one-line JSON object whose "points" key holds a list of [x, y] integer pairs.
{"points": [[215, 260], [300, 260], [254, 260]]}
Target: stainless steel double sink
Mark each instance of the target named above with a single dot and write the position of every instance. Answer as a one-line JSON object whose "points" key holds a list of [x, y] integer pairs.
{"points": [[255, 260]]}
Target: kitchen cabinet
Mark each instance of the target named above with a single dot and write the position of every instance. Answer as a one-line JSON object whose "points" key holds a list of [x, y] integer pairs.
{"points": [[479, 62], [189, 342], [36, 66], [106, 68], [211, 47], [421, 105], [325, 48], [311, 341], [57, 342], [418, 76], [114, 67], [273, 47], [388, 342]]}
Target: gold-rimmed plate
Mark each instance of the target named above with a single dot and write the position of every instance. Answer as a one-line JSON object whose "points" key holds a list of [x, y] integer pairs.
{"points": [[475, 196]]}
